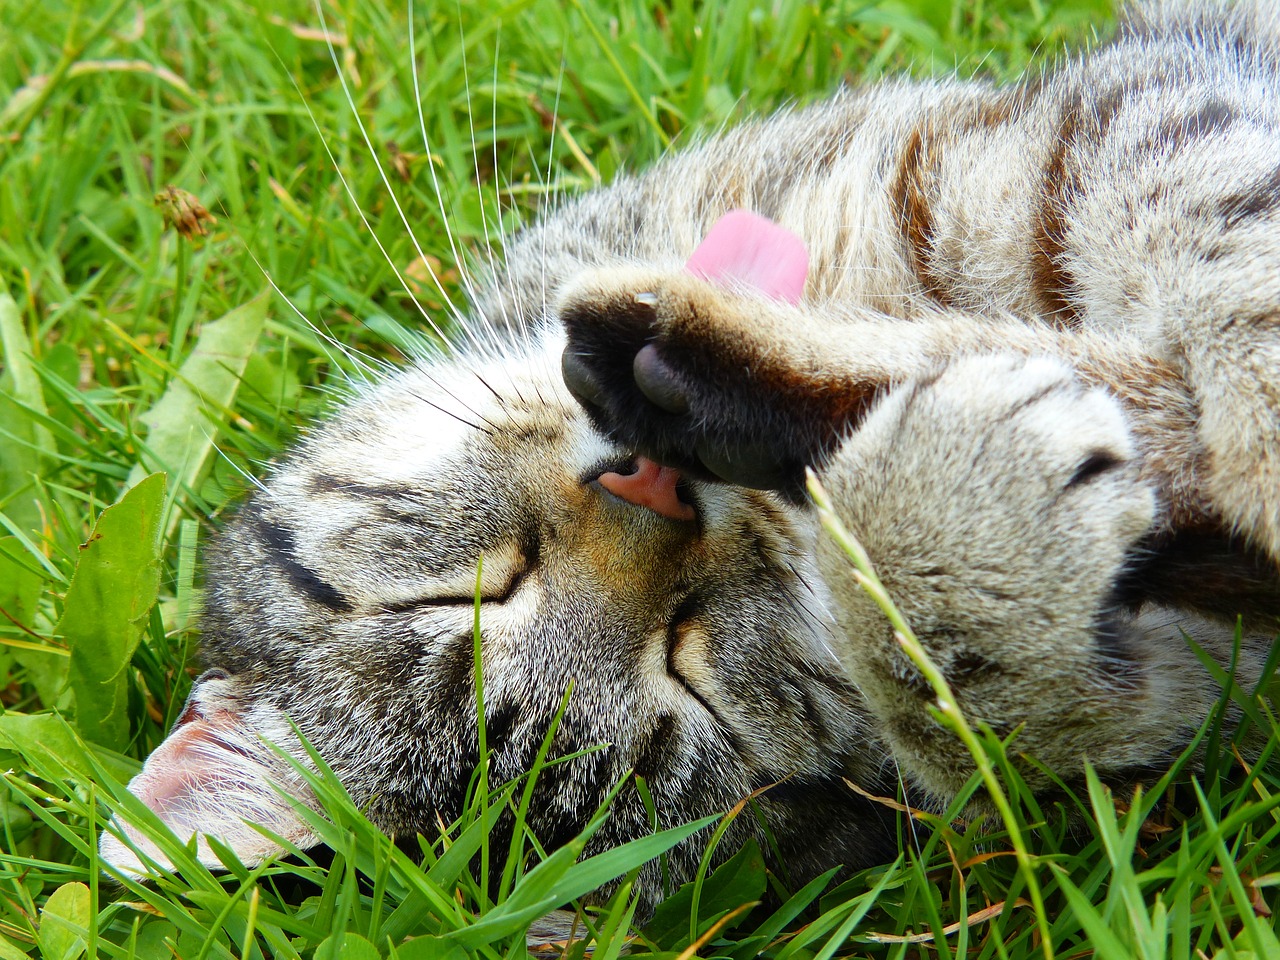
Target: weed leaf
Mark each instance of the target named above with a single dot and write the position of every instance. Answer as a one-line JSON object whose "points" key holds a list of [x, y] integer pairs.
{"points": [[63, 920], [180, 437], [429, 948], [739, 880], [347, 946], [114, 588]]}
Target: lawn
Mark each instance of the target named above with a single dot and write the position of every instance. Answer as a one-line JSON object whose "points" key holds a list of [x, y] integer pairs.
{"points": [[212, 215]]}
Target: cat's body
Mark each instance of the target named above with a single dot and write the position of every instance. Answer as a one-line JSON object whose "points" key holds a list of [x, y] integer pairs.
{"points": [[981, 260]]}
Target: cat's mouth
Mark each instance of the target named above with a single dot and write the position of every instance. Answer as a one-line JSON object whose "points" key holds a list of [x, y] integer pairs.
{"points": [[646, 483]]}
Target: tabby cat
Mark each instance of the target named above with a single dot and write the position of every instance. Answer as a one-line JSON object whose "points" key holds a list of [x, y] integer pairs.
{"points": [[1028, 336]]}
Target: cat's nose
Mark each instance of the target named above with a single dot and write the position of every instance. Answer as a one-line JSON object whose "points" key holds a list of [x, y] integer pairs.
{"points": [[650, 485]]}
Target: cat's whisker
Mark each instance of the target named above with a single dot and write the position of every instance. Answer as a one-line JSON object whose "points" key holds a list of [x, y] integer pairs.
{"points": [[475, 163], [458, 315], [551, 155], [426, 141], [426, 375], [489, 431], [369, 370], [480, 320], [502, 401], [251, 478], [520, 328]]}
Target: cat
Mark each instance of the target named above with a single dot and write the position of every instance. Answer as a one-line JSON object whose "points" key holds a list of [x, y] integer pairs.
{"points": [[1032, 352]]}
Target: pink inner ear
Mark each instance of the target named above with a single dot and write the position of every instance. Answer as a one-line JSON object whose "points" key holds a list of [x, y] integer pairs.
{"points": [[213, 775], [747, 248]]}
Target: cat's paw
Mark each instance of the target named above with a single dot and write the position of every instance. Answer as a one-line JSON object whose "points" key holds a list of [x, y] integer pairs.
{"points": [[1002, 504], [1020, 481], [702, 378]]}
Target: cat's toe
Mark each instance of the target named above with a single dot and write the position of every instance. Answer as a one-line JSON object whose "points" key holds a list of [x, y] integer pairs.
{"points": [[749, 464], [581, 381], [657, 380]]}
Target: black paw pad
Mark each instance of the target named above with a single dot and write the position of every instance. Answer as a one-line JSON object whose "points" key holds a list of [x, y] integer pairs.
{"points": [[748, 464], [580, 380], [658, 382]]}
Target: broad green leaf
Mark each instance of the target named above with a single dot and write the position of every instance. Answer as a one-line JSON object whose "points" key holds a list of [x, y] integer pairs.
{"points": [[347, 946], [429, 948], [113, 589], [23, 383], [62, 919], [155, 940], [19, 592], [25, 443], [740, 879], [20, 581], [9, 952], [779, 919], [181, 425], [52, 749]]}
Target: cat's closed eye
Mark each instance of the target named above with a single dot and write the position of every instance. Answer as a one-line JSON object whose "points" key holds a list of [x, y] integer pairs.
{"points": [[496, 576]]}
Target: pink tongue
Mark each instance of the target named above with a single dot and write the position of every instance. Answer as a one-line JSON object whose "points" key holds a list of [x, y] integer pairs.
{"points": [[650, 486], [744, 247]]}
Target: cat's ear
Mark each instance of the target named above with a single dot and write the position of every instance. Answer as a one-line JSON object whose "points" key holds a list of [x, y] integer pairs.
{"points": [[213, 775]]}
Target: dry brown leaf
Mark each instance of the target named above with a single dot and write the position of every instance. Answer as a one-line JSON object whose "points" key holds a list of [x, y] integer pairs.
{"points": [[980, 916], [141, 907], [425, 275], [894, 804]]}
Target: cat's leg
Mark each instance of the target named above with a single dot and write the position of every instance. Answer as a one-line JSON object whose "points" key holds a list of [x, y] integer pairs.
{"points": [[753, 390], [1002, 504], [1233, 363], [1162, 209], [1199, 275]]}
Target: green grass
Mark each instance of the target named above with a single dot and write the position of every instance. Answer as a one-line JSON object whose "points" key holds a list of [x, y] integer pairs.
{"points": [[129, 349]]}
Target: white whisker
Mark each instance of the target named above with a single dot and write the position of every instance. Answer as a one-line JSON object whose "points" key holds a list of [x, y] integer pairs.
{"points": [[458, 259], [483, 319], [395, 200], [369, 369], [253, 480], [551, 154]]}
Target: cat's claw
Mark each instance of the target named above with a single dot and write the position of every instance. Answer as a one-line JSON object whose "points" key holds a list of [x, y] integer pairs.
{"points": [[748, 464], [580, 381]]}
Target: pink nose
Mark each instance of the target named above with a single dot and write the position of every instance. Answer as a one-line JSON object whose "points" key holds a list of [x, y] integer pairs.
{"points": [[650, 486]]}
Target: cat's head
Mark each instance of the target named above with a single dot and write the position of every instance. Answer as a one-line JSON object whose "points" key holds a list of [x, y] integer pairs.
{"points": [[342, 599]]}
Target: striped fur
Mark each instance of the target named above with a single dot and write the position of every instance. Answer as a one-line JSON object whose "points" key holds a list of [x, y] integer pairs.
{"points": [[1036, 361]]}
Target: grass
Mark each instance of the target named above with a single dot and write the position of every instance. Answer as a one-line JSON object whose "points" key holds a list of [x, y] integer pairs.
{"points": [[129, 348]]}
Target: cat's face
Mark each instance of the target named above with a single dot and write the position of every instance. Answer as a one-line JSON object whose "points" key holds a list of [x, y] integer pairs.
{"points": [[342, 598]]}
